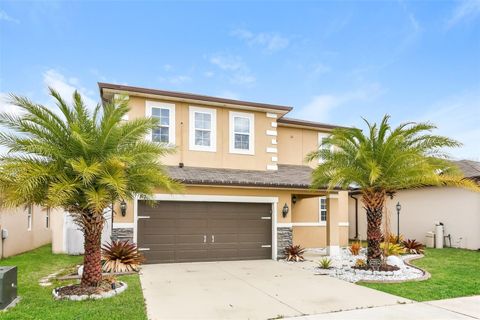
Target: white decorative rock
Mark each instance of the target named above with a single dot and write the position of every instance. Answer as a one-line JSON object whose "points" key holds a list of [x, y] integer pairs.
{"points": [[395, 261]]}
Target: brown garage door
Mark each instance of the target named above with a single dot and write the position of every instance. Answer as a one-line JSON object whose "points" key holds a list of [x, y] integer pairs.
{"points": [[204, 231]]}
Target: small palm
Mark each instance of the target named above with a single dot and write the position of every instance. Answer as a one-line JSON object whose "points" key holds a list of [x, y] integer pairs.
{"points": [[383, 161], [79, 160]]}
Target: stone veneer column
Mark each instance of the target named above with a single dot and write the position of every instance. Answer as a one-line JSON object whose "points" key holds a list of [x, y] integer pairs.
{"points": [[284, 239], [122, 234]]}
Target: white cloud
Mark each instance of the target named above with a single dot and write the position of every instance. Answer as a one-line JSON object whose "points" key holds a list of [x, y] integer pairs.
{"points": [[235, 67], [457, 117], [269, 42], [227, 62], [208, 74], [66, 86], [466, 10], [176, 80], [227, 94], [320, 106], [320, 68], [5, 17], [6, 106]]}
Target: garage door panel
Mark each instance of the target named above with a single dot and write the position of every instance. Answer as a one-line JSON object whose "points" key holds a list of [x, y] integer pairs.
{"points": [[175, 231], [184, 255]]}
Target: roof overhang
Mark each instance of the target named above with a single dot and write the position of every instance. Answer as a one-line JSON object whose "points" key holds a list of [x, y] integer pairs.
{"points": [[304, 124], [108, 90]]}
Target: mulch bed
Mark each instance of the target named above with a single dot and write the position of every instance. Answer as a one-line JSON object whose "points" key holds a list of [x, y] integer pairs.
{"points": [[79, 290], [383, 267]]}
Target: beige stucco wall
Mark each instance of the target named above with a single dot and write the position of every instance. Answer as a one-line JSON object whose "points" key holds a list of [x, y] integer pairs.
{"points": [[222, 158], [313, 236], [306, 210], [284, 197], [295, 143], [20, 239], [458, 209], [310, 237], [58, 223]]}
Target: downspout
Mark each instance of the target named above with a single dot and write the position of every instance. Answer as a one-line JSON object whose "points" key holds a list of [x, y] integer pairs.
{"points": [[356, 215]]}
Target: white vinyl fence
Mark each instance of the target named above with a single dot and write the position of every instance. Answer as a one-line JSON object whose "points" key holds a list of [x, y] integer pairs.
{"points": [[73, 236]]}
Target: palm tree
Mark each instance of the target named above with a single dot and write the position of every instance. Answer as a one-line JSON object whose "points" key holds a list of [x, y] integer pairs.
{"points": [[81, 161], [383, 161]]}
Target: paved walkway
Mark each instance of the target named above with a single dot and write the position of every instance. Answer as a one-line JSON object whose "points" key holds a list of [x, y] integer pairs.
{"points": [[261, 289], [458, 308]]}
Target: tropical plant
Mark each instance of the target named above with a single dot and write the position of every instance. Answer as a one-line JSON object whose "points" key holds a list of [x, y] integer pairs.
{"points": [[413, 246], [355, 248], [325, 263], [393, 238], [121, 256], [391, 249], [360, 263], [294, 253], [80, 160], [382, 161]]}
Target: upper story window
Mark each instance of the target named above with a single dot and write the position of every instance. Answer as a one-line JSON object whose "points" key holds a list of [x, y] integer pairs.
{"points": [[29, 210], [165, 113], [203, 127], [321, 138], [241, 133], [322, 214]]}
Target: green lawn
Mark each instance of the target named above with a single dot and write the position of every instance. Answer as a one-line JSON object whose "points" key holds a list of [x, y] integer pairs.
{"points": [[455, 273], [37, 301]]}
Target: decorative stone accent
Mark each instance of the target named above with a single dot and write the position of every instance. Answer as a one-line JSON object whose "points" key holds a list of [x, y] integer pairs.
{"points": [[342, 268], [122, 234], [284, 239], [103, 295]]}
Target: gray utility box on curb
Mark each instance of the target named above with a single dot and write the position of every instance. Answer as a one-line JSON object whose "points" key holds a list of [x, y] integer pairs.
{"points": [[8, 286]]}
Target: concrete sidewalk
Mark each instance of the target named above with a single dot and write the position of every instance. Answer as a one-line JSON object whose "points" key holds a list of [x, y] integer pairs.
{"points": [[458, 308]]}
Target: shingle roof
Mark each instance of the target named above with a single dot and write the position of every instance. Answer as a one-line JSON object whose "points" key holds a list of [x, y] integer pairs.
{"points": [[471, 169], [185, 95], [287, 176]]}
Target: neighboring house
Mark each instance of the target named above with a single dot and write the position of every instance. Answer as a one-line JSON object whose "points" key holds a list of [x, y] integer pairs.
{"points": [[247, 192], [24, 228], [458, 209]]}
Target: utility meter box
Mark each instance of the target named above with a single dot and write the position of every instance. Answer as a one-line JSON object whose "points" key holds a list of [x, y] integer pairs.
{"points": [[430, 240], [8, 286]]}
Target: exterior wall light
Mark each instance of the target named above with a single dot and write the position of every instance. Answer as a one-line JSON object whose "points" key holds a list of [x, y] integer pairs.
{"points": [[294, 199], [123, 208], [285, 210]]}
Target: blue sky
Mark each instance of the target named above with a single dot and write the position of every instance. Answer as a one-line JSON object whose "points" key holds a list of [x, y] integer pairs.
{"points": [[332, 61]]}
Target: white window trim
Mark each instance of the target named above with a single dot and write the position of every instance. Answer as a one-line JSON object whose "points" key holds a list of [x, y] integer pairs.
{"points": [[213, 132], [251, 133], [162, 105], [322, 135], [320, 210], [29, 209]]}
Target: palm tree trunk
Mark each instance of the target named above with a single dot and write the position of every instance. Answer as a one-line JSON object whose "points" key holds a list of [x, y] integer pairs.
{"points": [[374, 201], [92, 259]]}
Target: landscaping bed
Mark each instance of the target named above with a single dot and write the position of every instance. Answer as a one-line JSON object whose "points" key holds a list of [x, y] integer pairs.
{"points": [[343, 267], [37, 301]]}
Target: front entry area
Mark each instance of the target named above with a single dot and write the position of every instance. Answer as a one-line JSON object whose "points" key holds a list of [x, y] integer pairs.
{"points": [[194, 231]]}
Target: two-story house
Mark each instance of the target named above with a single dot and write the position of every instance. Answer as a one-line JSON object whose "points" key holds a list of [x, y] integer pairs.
{"points": [[248, 189]]}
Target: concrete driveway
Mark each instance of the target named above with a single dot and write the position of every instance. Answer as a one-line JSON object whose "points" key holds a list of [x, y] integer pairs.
{"points": [[261, 289]]}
